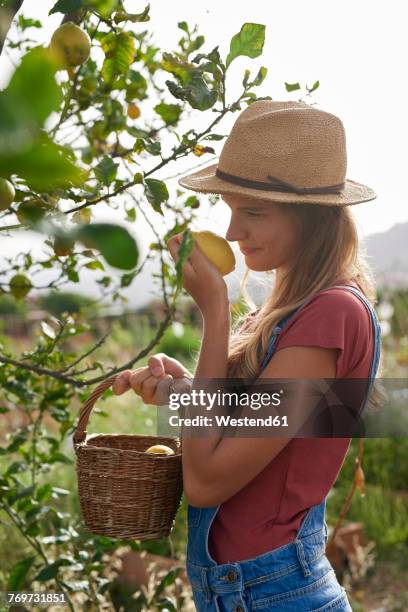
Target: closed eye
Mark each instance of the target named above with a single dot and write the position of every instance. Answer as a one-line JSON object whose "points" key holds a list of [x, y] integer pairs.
{"points": [[253, 214]]}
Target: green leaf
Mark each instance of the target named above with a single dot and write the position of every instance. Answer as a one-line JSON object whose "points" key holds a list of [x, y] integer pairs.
{"points": [[260, 77], [18, 574], [104, 8], [245, 80], [292, 87], [151, 146], [249, 41], [196, 93], [192, 201], [44, 166], [66, 6], [183, 26], [95, 265], [59, 457], [315, 86], [181, 69], [215, 137], [170, 113], [106, 170], [21, 494], [137, 87], [165, 604], [119, 54], [36, 73], [43, 492], [26, 22], [131, 214], [16, 467], [133, 17], [184, 252], [156, 193], [51, 571], [168, 579], [114, 243]]}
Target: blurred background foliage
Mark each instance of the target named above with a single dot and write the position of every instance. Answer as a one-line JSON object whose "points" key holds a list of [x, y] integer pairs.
{"points": [[101, 132]]}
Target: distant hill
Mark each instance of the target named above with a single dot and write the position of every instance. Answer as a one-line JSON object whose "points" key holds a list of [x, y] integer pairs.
{"points": [[388, 255]]}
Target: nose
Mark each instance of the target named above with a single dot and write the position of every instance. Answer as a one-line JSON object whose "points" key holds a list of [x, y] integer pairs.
{"points": [[235, 232]]}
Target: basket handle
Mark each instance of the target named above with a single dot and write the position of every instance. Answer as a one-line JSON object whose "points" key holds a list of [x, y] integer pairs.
{"points": [[80, 432]]}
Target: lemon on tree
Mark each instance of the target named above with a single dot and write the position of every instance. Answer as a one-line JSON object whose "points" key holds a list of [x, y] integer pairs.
{"points": [[20, 285], [133, 111], [31, 211], [217, 249], [71, 44], [160, 449], [7, 193], [63, 246]]}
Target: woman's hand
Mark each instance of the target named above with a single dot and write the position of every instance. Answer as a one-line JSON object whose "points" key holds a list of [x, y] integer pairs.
{"points": [[155, 382], [202, 279]]}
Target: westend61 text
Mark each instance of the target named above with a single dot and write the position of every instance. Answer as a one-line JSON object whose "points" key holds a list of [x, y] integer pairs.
{"points": [[227, 421]]}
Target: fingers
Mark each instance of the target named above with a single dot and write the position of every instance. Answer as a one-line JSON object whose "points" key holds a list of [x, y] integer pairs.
{"points": [[137, 379], [182, 385], [156, 365], [122, 384], [163, 390], [166, 365], [155, 390], [130, 379]]}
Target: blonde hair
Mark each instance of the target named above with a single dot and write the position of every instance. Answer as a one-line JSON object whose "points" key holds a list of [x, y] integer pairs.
{"points": [[329, 252]]}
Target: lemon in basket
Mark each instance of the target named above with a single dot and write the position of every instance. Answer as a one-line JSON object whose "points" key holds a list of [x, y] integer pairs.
{"points": [[160, 449]]}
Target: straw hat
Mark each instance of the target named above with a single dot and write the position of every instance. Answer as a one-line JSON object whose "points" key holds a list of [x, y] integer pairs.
{"points": [[283, 152]]}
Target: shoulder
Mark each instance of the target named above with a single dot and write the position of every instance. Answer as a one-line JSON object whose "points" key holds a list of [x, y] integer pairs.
{"points": [[332, 305], [334, 318]]}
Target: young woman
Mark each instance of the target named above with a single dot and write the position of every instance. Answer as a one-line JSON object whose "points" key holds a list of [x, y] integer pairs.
{"points": [[256, 506]]}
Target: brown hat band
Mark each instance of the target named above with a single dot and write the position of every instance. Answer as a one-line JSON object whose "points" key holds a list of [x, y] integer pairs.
{"points": [[276, 184]]}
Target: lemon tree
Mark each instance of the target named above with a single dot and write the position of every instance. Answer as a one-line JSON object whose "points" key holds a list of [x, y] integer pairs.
{"points": [[95, 116]]}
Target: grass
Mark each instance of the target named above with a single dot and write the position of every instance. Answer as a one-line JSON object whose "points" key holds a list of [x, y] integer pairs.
{"points": [[383, 511]]}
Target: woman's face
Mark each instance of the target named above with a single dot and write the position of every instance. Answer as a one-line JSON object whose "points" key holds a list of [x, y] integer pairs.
{"points": [[267, 235]]}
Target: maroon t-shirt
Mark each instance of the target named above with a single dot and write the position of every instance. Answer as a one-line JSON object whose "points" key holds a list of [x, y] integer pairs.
{"points": [[268, 511]]}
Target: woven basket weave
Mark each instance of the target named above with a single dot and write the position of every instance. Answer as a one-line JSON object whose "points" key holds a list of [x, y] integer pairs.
{"points": [[125, 492]]}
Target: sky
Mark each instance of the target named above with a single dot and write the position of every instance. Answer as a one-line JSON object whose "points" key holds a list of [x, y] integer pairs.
{"points": [[357, 51]]}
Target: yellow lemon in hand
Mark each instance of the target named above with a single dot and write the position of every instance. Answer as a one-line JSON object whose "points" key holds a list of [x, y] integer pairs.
{"points": [[71, 44], [216, 249], [160, 449]]}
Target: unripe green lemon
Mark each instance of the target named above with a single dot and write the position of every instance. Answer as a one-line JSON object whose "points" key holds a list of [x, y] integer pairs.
{"points": [[217, 249], [71, 43], [7, 193], [20, 285]]}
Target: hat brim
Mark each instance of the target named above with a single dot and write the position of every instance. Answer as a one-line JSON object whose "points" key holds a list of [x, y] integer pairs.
{"points": [[206, 181]]}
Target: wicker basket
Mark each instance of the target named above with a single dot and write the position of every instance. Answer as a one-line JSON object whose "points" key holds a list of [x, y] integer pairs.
{"points": [[125, 492]]}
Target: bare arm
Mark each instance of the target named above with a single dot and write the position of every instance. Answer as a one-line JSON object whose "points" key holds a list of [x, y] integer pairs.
{"points": [[214, 470]]}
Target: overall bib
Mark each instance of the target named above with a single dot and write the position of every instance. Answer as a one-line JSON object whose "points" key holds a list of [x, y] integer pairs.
{"points": [[296, 577]]}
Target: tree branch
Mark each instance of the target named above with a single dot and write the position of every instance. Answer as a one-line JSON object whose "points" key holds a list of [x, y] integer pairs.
{"points": [[7, 14], [86, 383]]}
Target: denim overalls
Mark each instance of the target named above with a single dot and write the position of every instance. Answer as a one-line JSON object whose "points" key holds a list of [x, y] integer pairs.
{"points": [[296, 577]]}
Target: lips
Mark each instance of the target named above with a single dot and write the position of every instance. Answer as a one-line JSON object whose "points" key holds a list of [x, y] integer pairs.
{"points": [[248, 251]]}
